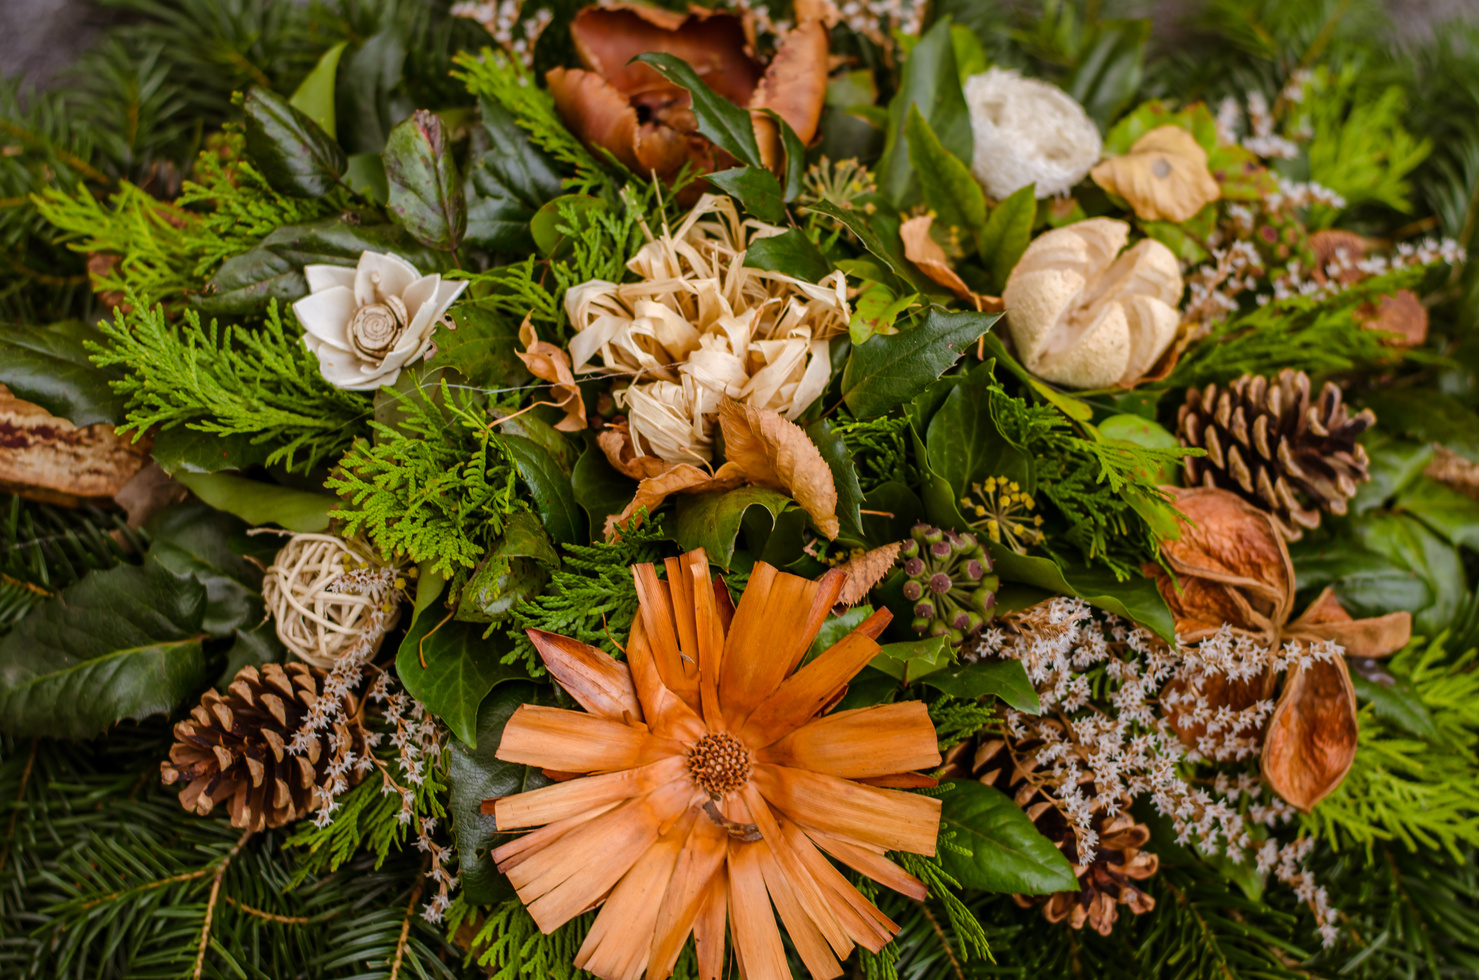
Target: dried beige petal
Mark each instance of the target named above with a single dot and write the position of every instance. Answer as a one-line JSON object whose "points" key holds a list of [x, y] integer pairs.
{"points": [[683, 478], [1326, 619], [1164, 176], [865, 571], [616, 442], [773, 452], [1087, 315], [51, 460], [549, 363], [1401, 314], [1311, 740]]}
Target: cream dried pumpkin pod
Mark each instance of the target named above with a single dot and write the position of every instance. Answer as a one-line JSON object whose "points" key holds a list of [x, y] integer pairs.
{"points": [[1086, 312]]}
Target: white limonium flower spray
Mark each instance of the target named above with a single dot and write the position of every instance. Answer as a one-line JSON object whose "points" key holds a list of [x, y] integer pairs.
{"points": [[1028, 132], [367, 323]]}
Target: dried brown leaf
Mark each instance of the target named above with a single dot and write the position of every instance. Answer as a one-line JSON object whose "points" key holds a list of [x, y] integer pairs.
{"points": [[774, 452], [1164, 177], [1327, 619], [683, 478], [616, 442], [865, 571], [1401, 314], [926, 253], [795, 87], [550, 363]]}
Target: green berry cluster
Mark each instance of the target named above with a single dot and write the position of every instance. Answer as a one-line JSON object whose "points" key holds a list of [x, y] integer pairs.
{"points": [[949, 582]]}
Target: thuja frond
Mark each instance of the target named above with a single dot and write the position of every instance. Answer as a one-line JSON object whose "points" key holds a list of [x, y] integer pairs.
{"points": [[1405, 788], [970, 937], [592, 598], [955, 719], [494, 75], [156, 260], [230, 381], [507, 945], [437, 487], [877, 446]]}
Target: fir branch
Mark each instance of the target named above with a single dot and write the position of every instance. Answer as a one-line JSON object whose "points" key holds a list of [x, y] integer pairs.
{"points": [[45, 548], [230, 382]]}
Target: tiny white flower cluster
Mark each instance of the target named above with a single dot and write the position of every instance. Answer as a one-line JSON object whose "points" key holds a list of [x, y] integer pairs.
{"points": [[1121, 745], [505, 21], [1212, 290], [1337, 271], [1262, 140]]}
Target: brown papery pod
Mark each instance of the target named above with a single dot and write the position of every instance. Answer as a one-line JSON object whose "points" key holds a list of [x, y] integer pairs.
{"points": [[1311, 739]]}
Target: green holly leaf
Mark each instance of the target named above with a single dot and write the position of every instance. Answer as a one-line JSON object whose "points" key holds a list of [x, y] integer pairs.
{"points": [[844, 477], [292, 151], [425, 192], [1007, 853], [712, 520], [913, 659], [790, 253], [120, 644], [889, 370]]}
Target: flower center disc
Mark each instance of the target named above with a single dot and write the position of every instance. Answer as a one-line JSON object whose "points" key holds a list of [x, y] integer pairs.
{"points": [[719, 764]]}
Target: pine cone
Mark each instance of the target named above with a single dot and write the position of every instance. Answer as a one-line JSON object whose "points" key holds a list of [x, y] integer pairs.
{"points": [[235, 748], [1268, 442], [1106, 882]]}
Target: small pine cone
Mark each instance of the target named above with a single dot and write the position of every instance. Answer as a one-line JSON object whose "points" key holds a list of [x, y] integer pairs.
{"points": [[1119, 863], [234, 748], [1268, 442]]}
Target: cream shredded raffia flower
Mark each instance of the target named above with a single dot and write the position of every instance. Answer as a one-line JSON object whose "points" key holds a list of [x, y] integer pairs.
{"points": [[700, 326], [367, 323], [1028, 132]]}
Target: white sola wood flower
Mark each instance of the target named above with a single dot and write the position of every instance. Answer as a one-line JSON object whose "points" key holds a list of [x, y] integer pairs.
{"points": [[1028, 132], [367, 323]]}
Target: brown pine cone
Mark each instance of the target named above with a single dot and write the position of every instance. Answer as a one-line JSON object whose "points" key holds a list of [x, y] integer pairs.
{"points": [[1106, 882], [234, 748], [1268, 442]]}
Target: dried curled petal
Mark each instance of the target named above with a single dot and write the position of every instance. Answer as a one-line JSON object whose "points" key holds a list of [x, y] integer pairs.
{"points": [[773, 452], [794, 87], [926, 253], [1164, 176]]}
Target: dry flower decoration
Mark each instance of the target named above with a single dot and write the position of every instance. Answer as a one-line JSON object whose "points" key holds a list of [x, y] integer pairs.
{"points": [[1028, 131], [1164, 177], [712, 783], [699, 327], [1086, 312], [367, 323]]}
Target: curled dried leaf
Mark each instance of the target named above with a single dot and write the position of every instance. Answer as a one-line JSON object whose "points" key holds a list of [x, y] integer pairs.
{"points": [[550, 363], [865, 571], [1164, 177], [1327, 619], [1401, 314], [1311, 740], [616, 442], [794, 87], [683, 478], [773, 452], [926, 253]]}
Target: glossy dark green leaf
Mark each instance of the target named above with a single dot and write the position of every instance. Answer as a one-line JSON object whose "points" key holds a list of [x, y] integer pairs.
{"points": [[1004, 679], [1367, 584], [460, 669], [483, 347], [1395, 462], [909, 660], [790, 253], [425, 191], [931, 84], [834, 628], [49, 366], [844, 477], [179, 449], [120, 644], [889, 370], [192, 539], [712, 520], [549, 485], [868, 688], [506, 184], [273, 269], [949, 189], [1452, 515], [888, 250], [1404, 541], [252, 648], [1007, 853], [262, 503], [1396, 701], [965, 446], [477, 774], [562, 449], [754, 187], [292, 151], [599, 489], [892, 509], [725, 124], [795, 153], [1138, 599], [1007, 234]]}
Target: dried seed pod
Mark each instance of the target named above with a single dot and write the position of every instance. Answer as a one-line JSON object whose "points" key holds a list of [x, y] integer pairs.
{"points": [[1164, 176], [949, 581]]}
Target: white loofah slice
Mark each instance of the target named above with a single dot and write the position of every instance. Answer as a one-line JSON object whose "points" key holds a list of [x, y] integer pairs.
{"points": [[1028, 131]]}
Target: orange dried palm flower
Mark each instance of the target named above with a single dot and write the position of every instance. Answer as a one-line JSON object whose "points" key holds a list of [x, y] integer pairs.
{"points": [[715, 785]]}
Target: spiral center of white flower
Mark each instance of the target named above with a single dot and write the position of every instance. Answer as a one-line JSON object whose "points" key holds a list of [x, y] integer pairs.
{"points": [[376, 327]]}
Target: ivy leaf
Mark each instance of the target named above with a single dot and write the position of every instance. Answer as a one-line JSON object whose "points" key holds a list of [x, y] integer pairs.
{"points": [[262, 503], [1005, 679], [191, 539], [49, 366], [1007, 234], [1397, 702], [1404, 541], [844, 477], [930, 84], [756, 188], [599, 489], [477, 774], [965, 446], [425, 192], [550, 487], [790, 253], [507, 184], [461, 668], [292, 151], [120, 644], [513, 570], [889, 370], [711, 521], [892, 257], [949, 189], [1008, 854], [725, 124], [1443, 509]]}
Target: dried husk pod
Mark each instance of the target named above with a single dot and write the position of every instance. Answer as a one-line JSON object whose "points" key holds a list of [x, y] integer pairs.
{"points": [[1338, 256], [1233, 569], [699, 327], [646, 122], [1164, 177], [49, 459], [1087, 313]]}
